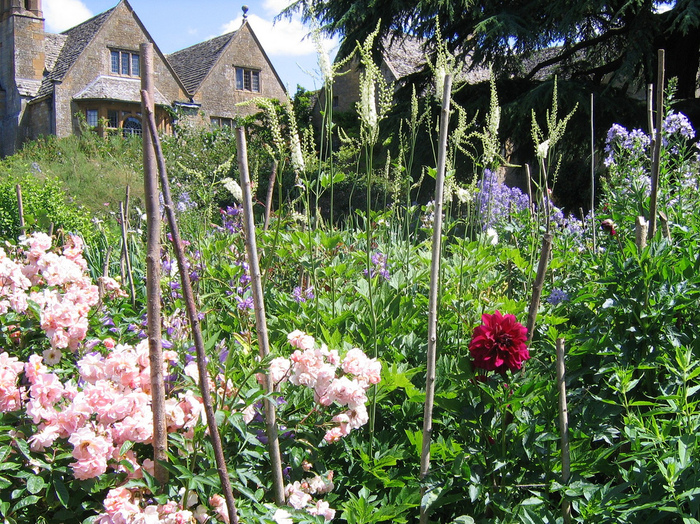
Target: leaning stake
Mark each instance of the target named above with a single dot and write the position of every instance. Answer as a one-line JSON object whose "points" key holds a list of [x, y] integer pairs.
{"points": [[433, 293], [194, 319], [537, 286], [260, 322], [155, 349]]}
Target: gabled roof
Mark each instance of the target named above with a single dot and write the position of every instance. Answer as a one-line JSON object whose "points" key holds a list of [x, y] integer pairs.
{"points": [[76, 40], [192, 64]]}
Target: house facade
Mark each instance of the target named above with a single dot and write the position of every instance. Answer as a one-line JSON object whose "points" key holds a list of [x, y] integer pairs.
{"points": [[50, 82]]}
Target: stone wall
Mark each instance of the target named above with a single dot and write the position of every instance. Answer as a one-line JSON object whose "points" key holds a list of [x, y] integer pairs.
{"points": [[218, 94], [121, 32]]}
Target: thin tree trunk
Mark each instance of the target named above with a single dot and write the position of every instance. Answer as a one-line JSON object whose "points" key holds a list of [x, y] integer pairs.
{"points": [[193, 316], [434, 292], [150, 175], [260, 322]]}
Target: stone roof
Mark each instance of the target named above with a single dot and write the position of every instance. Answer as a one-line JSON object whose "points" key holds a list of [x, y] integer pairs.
{"points": [[193, 64], [53, 44], [117, 88], [76, 39], [28, 88], [406, 55]]}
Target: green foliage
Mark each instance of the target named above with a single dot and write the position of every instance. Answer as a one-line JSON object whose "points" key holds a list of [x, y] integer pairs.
{"points": [[45, 205]]}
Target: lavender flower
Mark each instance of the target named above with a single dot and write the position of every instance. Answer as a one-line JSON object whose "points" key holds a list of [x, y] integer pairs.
{"points": [[302, 295], [557, 296], [496, 200], [380, 267], [621, 143]]}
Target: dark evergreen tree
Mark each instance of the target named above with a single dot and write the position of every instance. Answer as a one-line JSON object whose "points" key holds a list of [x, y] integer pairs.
{"points": [[596, 40]]}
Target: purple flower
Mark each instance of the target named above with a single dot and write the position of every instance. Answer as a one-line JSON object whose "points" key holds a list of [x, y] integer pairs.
{"points": [[380, 266], [166, 344], [302, 295], [244, 303], [621, 144], [107, 321], [557, 296], [677, 123], [497, 201]]}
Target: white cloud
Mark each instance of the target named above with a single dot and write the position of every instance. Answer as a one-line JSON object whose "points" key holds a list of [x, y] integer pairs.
{"points": [[64, 14], [282, 38]]}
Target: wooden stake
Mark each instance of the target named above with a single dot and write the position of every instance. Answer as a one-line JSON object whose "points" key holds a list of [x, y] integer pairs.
{"points": [[155, 348], [563, 428], [583, 218], [260, 321], [268, 200], [537, 286], [656, 143], [20, 209], [641, 230], [434, 292], [188, 296], [125, 255]]}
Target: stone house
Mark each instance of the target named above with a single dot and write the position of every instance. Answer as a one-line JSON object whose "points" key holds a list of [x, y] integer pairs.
{"points": [[48, 80]]}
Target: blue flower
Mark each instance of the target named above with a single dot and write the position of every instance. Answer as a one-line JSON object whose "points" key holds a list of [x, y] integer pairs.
{"points": [[557, 296]]}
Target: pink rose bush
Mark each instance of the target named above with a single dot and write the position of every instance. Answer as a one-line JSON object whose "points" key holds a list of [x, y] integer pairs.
{"points": [[57, 284], [336, 383], [319, 368], [102, 409]]}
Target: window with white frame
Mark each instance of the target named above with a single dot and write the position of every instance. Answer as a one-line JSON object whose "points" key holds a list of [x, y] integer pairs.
{"points": [[124, 63], [247, 80]]}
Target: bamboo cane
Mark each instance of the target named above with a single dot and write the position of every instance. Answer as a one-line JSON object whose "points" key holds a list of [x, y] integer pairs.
{"points": [[20, 208], [537, 286]]}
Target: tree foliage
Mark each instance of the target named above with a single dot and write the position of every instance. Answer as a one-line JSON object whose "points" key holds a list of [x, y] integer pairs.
{"points": [[596, 40]]}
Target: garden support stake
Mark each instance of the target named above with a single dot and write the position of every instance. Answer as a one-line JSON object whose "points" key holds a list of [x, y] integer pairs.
{"points": [[641, 229], [125, 255], [537, 286], [188, 296], [563, 428], [260, 321], [20, 208], [434, 294], [155, 348], [656, 143]]}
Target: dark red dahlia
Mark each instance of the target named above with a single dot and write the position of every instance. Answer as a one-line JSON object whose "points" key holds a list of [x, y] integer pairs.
{"points": [[499, 343]]}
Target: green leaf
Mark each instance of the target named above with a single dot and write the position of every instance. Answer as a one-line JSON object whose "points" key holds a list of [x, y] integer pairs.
{"points": [[26, 501], [61, 490], [35, 484]]}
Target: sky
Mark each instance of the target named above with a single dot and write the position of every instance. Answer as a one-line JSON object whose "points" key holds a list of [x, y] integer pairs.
{"points": [[176, 24]]}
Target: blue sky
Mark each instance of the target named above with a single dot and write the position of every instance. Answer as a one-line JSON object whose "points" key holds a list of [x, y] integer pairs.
{"points": [[176, 24]]}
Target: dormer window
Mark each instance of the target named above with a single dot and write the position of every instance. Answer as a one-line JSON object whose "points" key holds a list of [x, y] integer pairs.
{"points": [[247, 80], [124, 63]]}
